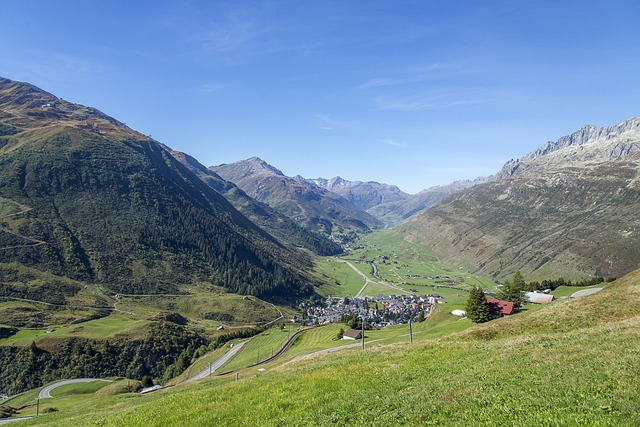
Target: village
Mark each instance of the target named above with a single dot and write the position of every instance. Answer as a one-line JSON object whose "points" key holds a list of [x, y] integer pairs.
{"points": [[378, 311]]}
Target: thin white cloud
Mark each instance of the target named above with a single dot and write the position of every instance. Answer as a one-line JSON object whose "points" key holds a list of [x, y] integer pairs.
{"points": [[418, 74], [392, 142], [323, 121], [432, 99]]}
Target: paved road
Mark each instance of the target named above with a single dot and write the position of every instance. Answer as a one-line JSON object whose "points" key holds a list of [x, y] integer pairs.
{"points": [[585, 292], [13, 420], [217, 364], [45, 393]]}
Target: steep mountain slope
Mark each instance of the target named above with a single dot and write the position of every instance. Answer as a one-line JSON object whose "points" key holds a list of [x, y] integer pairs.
{"points": [[569, 208], [277, 224], [314, 208], [86, 197], [364, 195]]}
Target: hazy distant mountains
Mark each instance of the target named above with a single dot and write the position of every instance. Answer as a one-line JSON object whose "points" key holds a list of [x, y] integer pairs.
{"points": [[569, 208], [364, 195], [308, 204], [83, 196]]}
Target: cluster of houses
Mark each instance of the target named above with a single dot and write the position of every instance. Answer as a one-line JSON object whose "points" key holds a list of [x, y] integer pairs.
{"points": [[380, 310]]}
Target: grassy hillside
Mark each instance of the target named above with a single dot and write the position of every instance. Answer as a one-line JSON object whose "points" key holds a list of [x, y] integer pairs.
{"points": [[573, 362]]}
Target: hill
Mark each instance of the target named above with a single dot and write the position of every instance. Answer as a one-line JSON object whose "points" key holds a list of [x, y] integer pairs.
{"points": [[315, 208], [87, 198], [568, 363], [567, 209]]}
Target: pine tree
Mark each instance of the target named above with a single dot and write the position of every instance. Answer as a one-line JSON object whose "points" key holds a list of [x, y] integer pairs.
{"points": [[477, 307], [512, 290]]}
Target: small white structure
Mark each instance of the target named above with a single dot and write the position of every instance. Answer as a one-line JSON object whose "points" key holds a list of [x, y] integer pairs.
{"points": [[352, 334], [460, 313], [537, 298], [150, 389]]}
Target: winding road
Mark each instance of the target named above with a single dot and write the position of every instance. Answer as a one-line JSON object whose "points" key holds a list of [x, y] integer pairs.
{"points": [[45, 393], [217, 364]]}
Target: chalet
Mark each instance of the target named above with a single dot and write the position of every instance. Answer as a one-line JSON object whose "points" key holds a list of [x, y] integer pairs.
{"points": [[352, 334], [500, 308]]}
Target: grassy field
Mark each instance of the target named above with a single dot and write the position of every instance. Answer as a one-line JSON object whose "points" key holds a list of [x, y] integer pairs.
{"points": [[341, 279], [570, 363], [397, 260]]}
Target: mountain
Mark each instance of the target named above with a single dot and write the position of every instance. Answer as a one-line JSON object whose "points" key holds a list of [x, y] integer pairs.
{"points": [[394, 213], [387, 202], [83, 196], [364, 195], [269, 219], [569, 208], [309, 205]]}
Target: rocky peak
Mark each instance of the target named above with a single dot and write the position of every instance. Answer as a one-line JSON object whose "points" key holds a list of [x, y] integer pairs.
{"points": [[590, 143], [245, 168]]}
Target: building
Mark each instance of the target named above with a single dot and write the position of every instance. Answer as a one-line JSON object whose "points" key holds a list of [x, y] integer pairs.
{"points": [[537, 297], [500, 308], [352, 334]]}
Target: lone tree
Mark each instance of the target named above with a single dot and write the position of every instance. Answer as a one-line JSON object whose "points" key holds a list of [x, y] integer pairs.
{"points": [[512, 290], [477, 307]]}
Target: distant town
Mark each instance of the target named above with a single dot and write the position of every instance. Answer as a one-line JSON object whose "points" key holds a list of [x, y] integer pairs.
{"points": [[378, 311]]}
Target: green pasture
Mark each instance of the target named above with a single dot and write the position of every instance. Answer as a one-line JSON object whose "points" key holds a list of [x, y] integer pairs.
{"points": [[340, 279], [78, 388], [564, 364], [106, 327], [259, 348]]}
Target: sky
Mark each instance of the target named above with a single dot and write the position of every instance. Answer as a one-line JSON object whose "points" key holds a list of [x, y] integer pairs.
{"points": [[410, 93]]}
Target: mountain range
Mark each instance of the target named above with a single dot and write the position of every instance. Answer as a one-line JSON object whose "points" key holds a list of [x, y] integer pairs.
{"points": [[568, 208], [85, 197], [311, 206]]}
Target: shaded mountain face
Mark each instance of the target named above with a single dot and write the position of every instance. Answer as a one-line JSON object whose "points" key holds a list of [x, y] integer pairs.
{"points": [[277, 224], [570, 208], [83, 196], [314, 208]]}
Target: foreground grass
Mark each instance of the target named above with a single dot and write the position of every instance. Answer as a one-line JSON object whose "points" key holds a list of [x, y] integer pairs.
{"points": [[573, 362]]}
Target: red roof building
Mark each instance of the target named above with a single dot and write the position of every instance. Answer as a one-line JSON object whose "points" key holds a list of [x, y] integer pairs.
{"points": [[500, 308]]}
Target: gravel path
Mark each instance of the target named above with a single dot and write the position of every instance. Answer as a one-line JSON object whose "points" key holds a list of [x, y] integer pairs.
{"points": [[585, 292]]}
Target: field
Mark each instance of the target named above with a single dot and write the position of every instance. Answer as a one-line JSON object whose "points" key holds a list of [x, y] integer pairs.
{"points": [[572, 362], [400, 263]]}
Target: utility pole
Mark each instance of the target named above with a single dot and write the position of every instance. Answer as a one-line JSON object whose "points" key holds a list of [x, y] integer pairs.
{"points": [[37, 407], [362, 332], [410, 332]]}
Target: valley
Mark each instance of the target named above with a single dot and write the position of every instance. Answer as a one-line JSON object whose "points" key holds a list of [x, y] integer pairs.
{"points": [[124, 260]]}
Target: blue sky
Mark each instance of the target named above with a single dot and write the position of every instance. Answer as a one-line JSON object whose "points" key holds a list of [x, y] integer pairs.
{"points": [[412, 93]]}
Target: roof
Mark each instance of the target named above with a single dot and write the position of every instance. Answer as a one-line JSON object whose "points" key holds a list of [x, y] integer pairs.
{"points": [[538, 298], [499, 307], [352, 334]]}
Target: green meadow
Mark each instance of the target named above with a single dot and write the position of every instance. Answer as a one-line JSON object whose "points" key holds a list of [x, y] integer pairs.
{"points": [[569, 363]]}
